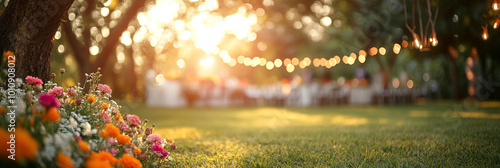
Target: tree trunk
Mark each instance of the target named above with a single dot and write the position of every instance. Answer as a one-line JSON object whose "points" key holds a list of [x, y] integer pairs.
{"points": [[27, 28]]}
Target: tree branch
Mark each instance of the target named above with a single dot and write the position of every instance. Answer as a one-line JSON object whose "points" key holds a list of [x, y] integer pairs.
{"points": [[116, 33]]}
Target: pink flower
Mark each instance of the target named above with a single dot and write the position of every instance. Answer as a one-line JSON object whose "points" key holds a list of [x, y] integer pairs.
{"points": [[153, 138], [49, 100], [104, 88], [71, 91], [106, 117], [113, 151], [33, 81], [133, 120], [164, 153], [173, 146], [143, 157], [148, 131], [123, 126], [56, 91], [157, 148]]}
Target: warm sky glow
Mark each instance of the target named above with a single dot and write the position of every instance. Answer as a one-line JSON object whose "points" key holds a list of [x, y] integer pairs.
{"points": [[203, 27]]}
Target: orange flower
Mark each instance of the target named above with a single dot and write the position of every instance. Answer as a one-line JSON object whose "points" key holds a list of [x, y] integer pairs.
{"points": [[26, 146], [52, 115], [105, 106], [103, 156], [91, 98], [128, 161], [64, 161], [137, 151], [104, 134], [123, 139], [110, 131], [96, 163], [7, 54], [84, 146]]}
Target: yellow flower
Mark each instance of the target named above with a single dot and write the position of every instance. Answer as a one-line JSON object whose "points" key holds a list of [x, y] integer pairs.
{"points": [[128, 161], [123, 139], [105, 106], [84, 146], [52, 115], [91, 98], [64, 161], [26, 146]]}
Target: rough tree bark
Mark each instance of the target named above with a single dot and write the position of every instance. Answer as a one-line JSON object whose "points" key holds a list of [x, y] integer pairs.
{"points": [[27, 28]]}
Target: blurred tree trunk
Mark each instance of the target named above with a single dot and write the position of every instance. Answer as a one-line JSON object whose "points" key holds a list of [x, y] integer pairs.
{"points": [[80, 48], [27, 28]]}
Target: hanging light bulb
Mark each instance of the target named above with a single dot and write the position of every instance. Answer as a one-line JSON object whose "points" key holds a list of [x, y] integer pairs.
{"points": [[417, 41], [485, 33], [495, 25], [433, 40], [495, 5]]}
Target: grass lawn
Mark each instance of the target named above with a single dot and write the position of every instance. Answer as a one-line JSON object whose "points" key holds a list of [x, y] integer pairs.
{"points": [[430, 135]]}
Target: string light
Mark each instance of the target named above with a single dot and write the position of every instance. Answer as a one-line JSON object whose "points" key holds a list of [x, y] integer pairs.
{"points": [[373, 51], [277, 63], [397, 48], [290, 68], [382, 51], [291, 63]]}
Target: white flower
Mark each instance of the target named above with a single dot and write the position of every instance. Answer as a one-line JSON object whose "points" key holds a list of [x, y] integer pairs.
{"points": [[19, 82], [72, 122], [21, 106], [87, 128]]}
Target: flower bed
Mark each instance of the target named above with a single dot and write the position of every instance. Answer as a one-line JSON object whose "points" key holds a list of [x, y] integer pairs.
{"points": [[78, 126]]}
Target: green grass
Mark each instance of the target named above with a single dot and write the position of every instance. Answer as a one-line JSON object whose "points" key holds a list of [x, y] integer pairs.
{"points": [[431, 135]]}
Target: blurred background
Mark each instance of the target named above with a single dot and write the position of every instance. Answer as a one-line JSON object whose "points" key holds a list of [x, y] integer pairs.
{"points": [[212, 53]]}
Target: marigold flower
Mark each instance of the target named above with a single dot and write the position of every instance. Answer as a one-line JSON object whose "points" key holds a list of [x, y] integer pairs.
{"points": [[104, 134], [110, 131], [104, 156], [84, 146], [105, 106], [128, 161], [64, 161], [7, 54], [137, 151], [91, 98], [52, 115], [123, 139], [26, 146], [96, 163]]}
